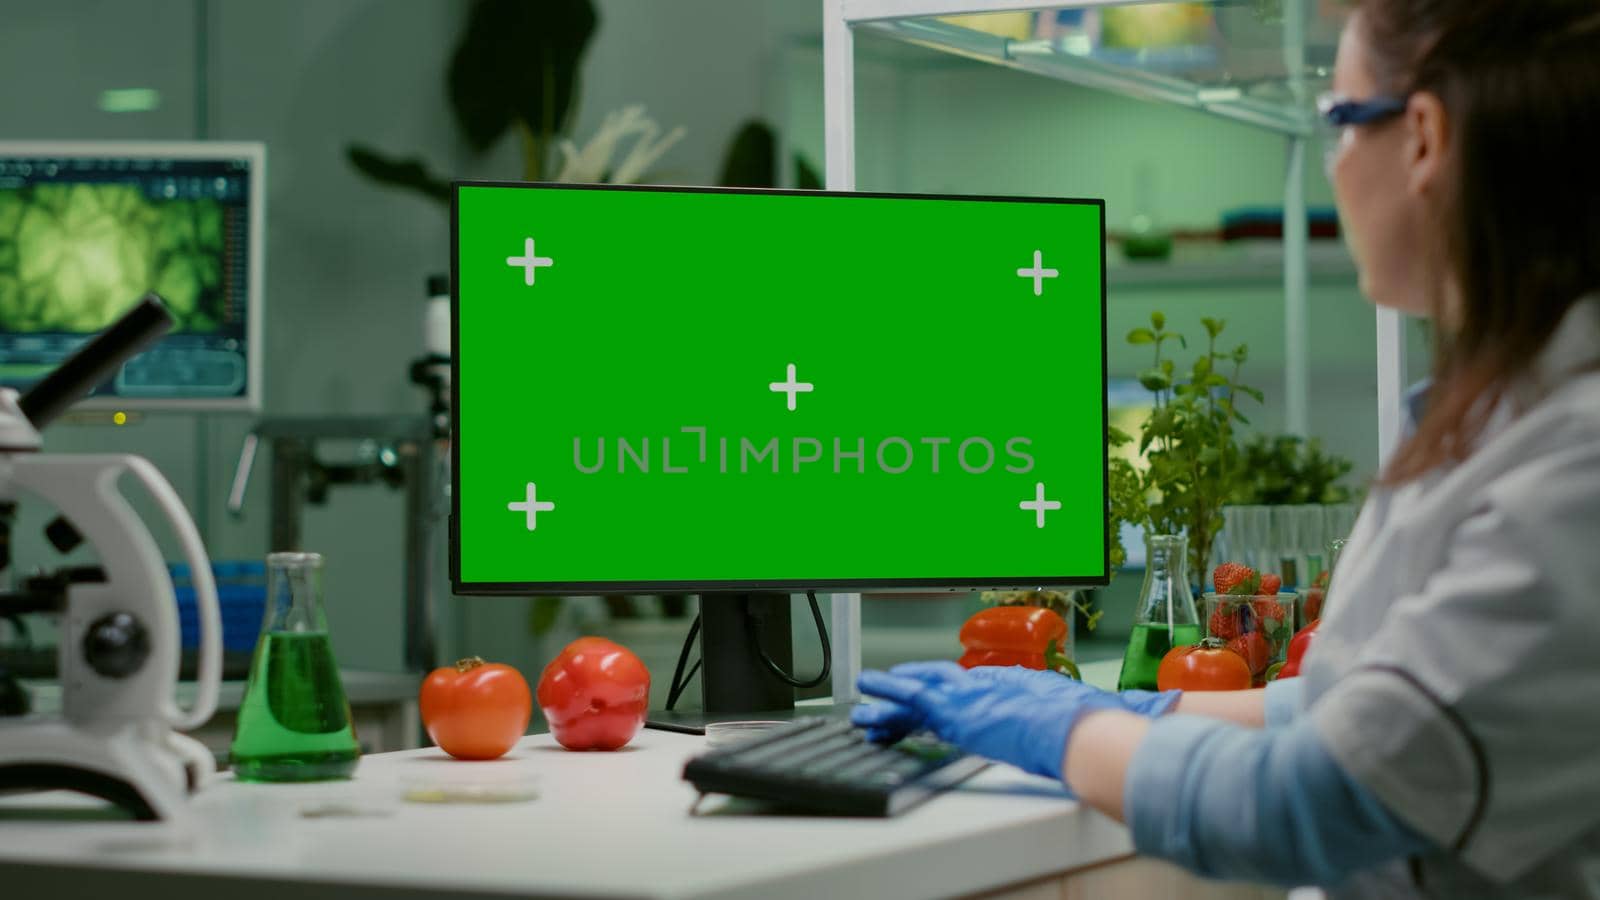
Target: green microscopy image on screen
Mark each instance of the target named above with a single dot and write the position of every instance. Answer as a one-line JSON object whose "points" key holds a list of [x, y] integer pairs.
{"points": [[663, 387], [73, 256]]}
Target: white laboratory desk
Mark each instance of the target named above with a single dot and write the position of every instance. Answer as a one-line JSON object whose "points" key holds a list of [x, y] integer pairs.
{"points": [[602, 825]]}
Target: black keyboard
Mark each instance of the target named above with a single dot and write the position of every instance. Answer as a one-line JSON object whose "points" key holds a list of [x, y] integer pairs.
{"points": [[828, 766]]}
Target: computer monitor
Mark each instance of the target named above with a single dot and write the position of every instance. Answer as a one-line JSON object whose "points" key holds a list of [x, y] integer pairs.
{"points": [[88, 228], [736, 391]]}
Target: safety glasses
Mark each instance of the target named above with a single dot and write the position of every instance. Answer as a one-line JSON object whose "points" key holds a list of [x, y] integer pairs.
{"points": [[1338, 113]]}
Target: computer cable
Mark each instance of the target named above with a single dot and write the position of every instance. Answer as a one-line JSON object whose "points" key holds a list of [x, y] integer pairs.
{"points": [[754, 621], [680, 681]]}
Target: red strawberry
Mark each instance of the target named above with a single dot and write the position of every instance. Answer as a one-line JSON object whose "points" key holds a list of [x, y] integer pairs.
{"points": [[1253, 647], [1271, 620], [1270, 583], [1268, 610], [1229, 575], [1223, 624]]}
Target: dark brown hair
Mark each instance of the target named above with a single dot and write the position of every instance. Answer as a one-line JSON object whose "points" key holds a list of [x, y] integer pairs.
{"points": [[1520, 213]]}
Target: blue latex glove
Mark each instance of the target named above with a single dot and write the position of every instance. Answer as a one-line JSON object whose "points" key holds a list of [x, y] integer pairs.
{"points": [[1020, 716], [1150, 704], [888, 722]]}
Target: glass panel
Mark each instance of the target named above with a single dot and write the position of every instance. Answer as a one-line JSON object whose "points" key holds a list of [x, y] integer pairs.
{"points": [[1256, 61]]}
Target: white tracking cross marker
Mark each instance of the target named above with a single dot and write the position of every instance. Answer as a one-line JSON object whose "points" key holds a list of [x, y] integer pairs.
{"points": [[529, 261], [1038, 504], [532, 506], [792, 387], [1038, 273]]}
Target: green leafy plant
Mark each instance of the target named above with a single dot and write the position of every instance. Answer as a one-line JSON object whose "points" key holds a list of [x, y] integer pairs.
{"points": [[515, 68], [1285, 469], [1188, 440]]}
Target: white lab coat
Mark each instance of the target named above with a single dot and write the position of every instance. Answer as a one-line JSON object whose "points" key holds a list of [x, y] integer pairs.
{"points": [[1456, 673]]}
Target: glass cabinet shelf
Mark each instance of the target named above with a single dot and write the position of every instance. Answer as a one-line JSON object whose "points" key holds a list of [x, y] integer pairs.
{"points": [[1259, 62], [1256, 62]]}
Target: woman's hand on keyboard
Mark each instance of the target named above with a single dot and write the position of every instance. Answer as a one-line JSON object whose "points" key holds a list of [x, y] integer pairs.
{"points": [[1015, 715], [887, 722]]}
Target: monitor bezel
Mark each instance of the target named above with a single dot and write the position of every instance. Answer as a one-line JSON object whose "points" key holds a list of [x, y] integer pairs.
{"points": [[872, 585], [255, 152]]}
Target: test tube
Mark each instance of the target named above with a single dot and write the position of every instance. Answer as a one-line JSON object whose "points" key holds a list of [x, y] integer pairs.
{"points": [[1338, 521], [1286, 544], [1312, 522]]}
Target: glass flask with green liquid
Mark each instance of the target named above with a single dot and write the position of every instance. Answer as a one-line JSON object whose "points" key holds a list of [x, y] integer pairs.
{"points": [[294, 723], [1165, 617]]}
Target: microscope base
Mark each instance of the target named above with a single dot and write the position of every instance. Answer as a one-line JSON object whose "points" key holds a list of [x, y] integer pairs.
{"points": [[145, 769]]}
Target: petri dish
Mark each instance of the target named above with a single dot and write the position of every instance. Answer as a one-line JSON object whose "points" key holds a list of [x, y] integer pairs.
{"points": [[723, 734], [469, 790]]}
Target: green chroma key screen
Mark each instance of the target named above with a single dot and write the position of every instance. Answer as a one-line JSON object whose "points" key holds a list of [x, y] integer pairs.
{"points": [[701, 389]]}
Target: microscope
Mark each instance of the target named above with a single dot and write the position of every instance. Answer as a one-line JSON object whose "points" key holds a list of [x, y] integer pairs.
{"points": [[117, 736]]}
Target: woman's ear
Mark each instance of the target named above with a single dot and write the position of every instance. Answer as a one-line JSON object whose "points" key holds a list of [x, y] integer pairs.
{"points": [[1427, 143]]}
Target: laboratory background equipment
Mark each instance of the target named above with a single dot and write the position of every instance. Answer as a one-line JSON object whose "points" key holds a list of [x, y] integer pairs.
{"points": [[1288, 540], [113, 220], [314, 455]]}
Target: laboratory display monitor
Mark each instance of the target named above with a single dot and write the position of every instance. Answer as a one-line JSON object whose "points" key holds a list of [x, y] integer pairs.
{"points": [[705, 390], [86, 229]]}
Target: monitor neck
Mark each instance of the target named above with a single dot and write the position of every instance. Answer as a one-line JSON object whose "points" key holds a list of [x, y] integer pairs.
{"points": [[735, 629]]}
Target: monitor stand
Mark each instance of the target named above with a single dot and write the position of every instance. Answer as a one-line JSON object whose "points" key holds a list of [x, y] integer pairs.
{"points": [[734, 683]]}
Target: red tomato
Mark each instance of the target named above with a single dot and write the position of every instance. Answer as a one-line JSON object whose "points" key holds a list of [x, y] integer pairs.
{"points": [[1298, 645], [1206, 666], [474, 709], [595, 695]]}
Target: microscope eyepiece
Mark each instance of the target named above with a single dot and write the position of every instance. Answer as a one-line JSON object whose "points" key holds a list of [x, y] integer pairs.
{"points": [[96, 361]]}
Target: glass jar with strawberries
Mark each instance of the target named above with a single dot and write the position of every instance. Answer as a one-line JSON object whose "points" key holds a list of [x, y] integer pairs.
{"points": [[1249, 613]]}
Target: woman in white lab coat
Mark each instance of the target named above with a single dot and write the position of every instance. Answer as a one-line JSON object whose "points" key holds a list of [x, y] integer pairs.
{"points": [[1444, 739]]}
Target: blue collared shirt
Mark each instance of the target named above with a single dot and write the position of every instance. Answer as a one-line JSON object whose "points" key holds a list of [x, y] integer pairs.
{"points": [[1269, 804]]}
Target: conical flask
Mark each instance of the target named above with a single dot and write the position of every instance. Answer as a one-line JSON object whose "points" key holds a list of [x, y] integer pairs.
{"points": [[294, 723], [1165, 617]]}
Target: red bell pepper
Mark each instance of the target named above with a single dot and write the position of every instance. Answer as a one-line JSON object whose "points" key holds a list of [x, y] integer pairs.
{"points": [[1297, 650], [1027, 636]]}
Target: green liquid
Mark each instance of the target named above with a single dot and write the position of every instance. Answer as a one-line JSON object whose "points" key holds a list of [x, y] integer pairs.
{"points": [[1147, 646], [294, 724]]}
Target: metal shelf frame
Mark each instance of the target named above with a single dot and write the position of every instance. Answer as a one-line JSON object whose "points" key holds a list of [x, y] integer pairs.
{"points": [[907, 20]]}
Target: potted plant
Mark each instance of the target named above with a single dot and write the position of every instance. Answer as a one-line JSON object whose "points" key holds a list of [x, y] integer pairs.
{"points": [[515, 71], [1193, 460]]}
